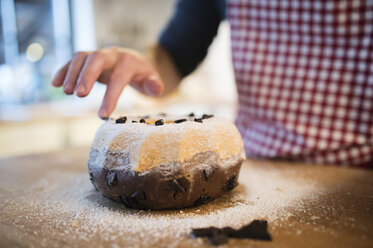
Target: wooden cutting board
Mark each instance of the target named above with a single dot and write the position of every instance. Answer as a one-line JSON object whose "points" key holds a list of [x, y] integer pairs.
{"points": [[47, 200]]}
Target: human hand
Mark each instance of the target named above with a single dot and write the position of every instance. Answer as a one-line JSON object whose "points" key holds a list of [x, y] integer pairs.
{"points": [[116, 67]]}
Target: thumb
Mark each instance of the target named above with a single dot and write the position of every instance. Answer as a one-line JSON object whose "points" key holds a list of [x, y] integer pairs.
{"points": [[153, 86]]}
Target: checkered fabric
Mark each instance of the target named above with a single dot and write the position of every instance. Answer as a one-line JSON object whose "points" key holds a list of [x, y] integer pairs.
{"points": [[304, 73]]}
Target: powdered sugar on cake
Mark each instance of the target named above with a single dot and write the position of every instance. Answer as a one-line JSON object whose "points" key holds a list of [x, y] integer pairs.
{"points": [[127, 139]]}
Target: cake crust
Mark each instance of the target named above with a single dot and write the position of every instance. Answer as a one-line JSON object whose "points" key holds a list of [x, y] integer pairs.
{"points": [[172, 165]]}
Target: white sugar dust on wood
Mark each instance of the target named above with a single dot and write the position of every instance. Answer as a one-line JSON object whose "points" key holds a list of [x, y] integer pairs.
{"points": [[72, 210]]}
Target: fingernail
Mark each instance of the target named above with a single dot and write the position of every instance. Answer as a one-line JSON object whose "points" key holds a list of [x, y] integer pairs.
{"points": [[151, 88], [102, 114], [81, 89], [67, 89]]}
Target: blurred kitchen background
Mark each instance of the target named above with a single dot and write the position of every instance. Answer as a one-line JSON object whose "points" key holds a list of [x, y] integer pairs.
{"points": [[38, 36]]}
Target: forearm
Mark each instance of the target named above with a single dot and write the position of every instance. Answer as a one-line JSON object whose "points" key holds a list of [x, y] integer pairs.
{"points": [[163, 63]]}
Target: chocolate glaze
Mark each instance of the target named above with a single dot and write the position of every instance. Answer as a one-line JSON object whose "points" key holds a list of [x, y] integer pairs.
{"points": [[165, 187], [208, 172], [111, 179], [231, 183]]}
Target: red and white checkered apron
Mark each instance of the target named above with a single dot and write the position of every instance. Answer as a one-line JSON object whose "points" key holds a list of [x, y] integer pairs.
{"points": [[304, 73]]}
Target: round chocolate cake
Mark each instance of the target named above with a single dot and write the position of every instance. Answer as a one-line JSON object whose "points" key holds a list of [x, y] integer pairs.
{"points": [[163, 162]]}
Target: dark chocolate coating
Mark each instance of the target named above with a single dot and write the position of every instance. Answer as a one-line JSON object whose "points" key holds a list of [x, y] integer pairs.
{"points": [[187, 185]]}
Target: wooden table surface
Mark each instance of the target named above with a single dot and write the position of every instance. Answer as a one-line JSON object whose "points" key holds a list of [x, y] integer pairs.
{"points": [[47, 200]]}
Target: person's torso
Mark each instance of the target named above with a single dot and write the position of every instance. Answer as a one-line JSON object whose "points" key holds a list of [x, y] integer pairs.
{"points": [[304, 73]]}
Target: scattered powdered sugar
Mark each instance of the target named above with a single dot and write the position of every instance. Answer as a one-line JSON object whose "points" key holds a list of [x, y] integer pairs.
{"points": [[69, 211]]}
